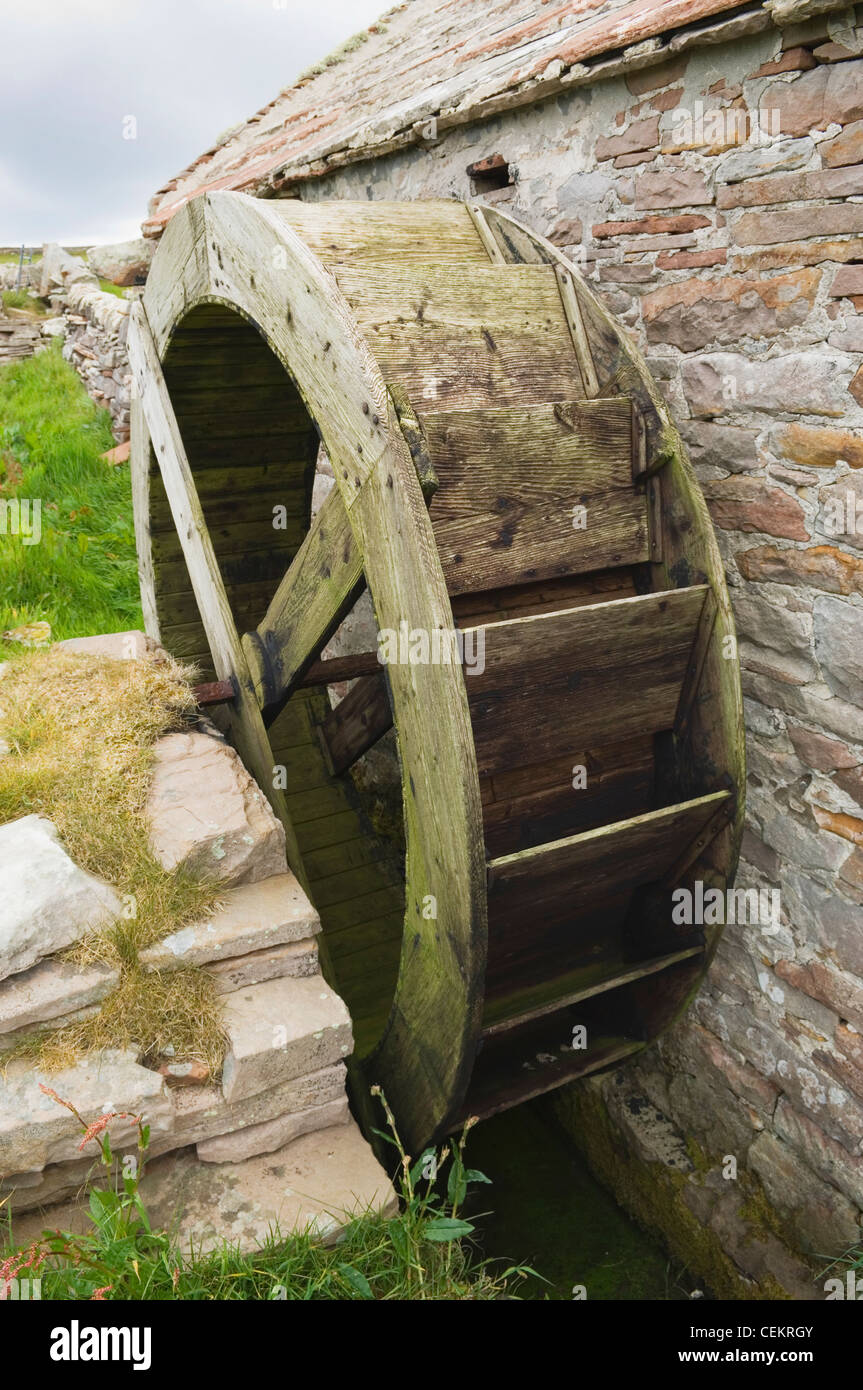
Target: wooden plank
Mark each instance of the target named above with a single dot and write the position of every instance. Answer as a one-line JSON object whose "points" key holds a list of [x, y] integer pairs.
{"points": [[580, 340], [493, 251], [610, 860], [320, 587], [523, 1006], [548, 596], [563, 679], [528, 806], [357, 722], [494, 336], [712, 742], [247, 729], [534, 493], [511, 1072], [700, 650], [429, 229], [140, 463], [236, 538], [264, 568]]}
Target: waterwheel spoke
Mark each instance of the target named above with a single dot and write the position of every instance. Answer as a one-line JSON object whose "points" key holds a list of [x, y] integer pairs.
{"points": [[317, 591]]}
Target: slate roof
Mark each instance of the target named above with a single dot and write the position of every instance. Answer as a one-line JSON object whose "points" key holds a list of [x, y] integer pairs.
{"points": [[456, 61]]}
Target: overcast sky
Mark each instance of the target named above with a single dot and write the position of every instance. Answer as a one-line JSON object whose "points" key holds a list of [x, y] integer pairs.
{"points": [[72, 71]]}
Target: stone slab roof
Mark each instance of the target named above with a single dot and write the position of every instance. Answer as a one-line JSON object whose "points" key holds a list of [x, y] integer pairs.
{"points": [[452, 62]]}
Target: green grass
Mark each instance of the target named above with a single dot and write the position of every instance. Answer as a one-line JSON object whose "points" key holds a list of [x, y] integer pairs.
{"points": [[425, 1251], [21, 299], [110, 288], [82, 576]]}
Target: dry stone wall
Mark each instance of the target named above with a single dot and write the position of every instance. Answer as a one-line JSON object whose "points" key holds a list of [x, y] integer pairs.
{"points": [[716, 204]]}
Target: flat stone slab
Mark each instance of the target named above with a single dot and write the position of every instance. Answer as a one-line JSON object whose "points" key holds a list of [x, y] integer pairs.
{"points": [[297, 958], [198, 1113], [47, 902], [279, 1030], [51, 990], [206, 813], [315, 1183], [201, 1112], [120, 646], [36, 1131], [272, 1134], [254, 917]]}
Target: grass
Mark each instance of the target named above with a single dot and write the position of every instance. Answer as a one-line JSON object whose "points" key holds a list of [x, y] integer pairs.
{"points": [[80, 732], [82, 575], [22, 299], [424, 1252]]}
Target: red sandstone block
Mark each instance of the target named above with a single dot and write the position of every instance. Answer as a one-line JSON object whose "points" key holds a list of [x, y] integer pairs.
{"points": [[792, 60], [671, 188], [749, 504], [641, 135], [847, 281], [687, 260], [683, 222], [845, 148], [792, 188]]}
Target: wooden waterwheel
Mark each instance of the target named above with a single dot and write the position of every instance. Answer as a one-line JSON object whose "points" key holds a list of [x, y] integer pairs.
{"points": [[505, 469]]}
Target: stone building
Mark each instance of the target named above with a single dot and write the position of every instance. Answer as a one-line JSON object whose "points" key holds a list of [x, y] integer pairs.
{"points": [[702, 162]]}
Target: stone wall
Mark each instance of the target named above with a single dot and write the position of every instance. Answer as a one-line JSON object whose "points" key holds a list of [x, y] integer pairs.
{"points": [[95, 324], [731, 244]]}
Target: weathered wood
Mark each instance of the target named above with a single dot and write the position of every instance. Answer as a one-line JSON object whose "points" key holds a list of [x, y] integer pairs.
{"points": [[247, 726], [712, 743], [494, 336], [535, 493], [587, 868], [539, 386], [526, 1005], [320, 587], [357, 722], [526, 806], [493, 251], [242, 251], [519, 1066], [563, 679], [416, 440], [580, 340], [139, 469], [348, 232]]}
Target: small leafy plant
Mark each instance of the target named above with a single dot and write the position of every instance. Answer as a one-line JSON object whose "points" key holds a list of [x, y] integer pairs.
{"points": [[424, 1252]]}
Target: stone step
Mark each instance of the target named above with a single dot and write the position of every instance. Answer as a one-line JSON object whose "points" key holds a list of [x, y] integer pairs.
{"points": [[315, 1183], [206, 813], [51, 990], [273, 1134], [296, 958], [47, 902], [253, 917], [35, 1130], [281, 1029], [199, 1113]]}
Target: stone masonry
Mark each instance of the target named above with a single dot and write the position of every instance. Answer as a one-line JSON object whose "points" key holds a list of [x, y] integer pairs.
{"points": [[287, 1034]]}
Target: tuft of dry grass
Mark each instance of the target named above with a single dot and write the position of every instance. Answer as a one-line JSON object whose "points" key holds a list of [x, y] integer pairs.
{"points": [[80, 732]]}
